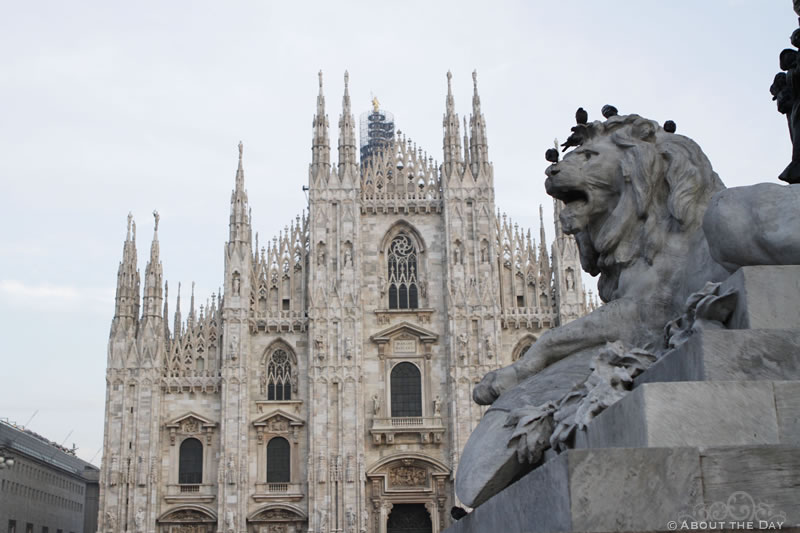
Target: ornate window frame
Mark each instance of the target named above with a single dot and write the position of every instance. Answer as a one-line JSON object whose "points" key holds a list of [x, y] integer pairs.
{"points": [[522, 346], [406, 343], [278, 423], [264, 374], [419, 278]]}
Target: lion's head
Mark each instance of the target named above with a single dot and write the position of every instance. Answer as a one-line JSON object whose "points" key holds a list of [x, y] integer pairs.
{"points": [[628, 188]]}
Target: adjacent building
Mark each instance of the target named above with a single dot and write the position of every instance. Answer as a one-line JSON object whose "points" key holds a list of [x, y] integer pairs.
{"points": [[46, 489], [328, 388]]}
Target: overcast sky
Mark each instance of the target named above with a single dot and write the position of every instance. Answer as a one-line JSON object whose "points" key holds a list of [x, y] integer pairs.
{"points": [[111, 107]]}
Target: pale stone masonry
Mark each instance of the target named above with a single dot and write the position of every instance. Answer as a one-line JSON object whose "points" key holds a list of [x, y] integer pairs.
{"points": [[401, 274]]}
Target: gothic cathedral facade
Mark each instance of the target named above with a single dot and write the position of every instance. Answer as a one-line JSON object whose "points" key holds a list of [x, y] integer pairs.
{"points": [[328, 388]]}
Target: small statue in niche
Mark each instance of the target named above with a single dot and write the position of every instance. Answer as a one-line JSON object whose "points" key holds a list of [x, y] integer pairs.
{"points": [[139, 520], [382, 285], [348, 348], [111, 521], [364, 520], [319, 346], [321, 255], [230, 471], [462, 344], [230, 521], [236, 283], [484, 253], [489, 349], [376, 404], [232, 347], [437, 405], [348, 256], [457, 254], [570, 280]]}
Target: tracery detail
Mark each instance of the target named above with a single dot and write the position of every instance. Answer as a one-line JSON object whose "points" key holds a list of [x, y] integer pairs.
{"points": [[402, 263], [277, 382]]}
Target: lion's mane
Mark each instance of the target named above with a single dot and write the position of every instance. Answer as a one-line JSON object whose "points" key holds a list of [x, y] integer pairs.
{"points": [[668, 182]]}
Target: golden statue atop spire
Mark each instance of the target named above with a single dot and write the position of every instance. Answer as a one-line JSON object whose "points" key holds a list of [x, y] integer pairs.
{"points": [[375, 103]]}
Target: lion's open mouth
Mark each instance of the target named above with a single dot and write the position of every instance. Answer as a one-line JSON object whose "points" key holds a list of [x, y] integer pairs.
{"points": [[569, 196]]}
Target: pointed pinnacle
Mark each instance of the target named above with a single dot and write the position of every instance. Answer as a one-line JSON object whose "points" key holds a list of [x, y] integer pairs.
{"points": [[475, 80], [320, 81], [130, 219], [241, 150]]}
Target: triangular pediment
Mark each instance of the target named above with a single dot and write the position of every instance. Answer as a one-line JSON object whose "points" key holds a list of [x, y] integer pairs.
{"points": [[278, 415], [404, 329], [189, 417]]}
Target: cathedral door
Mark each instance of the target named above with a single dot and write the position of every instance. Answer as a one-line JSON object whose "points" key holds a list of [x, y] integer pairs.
{"points": [[409, 518]]}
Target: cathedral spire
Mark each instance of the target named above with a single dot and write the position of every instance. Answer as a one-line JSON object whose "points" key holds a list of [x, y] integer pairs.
{"points": [[240, 217], [190, 318], [544, 258], [165, 314], [467, 161], [153, 277], [452, 137], [176, 328], [347, 135], [320, 145], [478, 146], [127, 295]]}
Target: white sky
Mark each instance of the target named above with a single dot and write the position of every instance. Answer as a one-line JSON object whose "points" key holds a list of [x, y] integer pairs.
{"points": [[111, 107]]}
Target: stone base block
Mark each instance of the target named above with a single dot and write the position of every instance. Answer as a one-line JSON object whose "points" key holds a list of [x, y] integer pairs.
{"points": [[594, 490], [731, 355], [768, 297], [644, 489], [721, 413], [762, 481]]}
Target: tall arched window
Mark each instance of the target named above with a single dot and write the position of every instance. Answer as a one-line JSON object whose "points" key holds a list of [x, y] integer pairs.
{"points": [[406, 390], [278, 459], [279, 376], [402, 263], [190, 462]]}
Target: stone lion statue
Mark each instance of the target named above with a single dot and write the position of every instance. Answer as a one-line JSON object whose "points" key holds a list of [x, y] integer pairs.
{"points": [[635, 198]]}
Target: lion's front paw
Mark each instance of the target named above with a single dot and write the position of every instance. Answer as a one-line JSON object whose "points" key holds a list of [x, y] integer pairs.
{"points": [[493, 385]]}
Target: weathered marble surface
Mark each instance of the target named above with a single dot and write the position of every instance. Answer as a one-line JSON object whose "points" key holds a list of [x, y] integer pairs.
{"points": [[769, 296], [769, 475], [595, 490], [730, 355], [719, 413], [754, 225], [643, 489]]}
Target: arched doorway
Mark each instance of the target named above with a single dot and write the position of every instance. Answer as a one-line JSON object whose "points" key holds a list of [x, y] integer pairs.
{"points": [[409, 518]]}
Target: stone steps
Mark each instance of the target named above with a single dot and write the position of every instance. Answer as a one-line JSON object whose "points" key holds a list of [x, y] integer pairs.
{"points": [[700, 413]]}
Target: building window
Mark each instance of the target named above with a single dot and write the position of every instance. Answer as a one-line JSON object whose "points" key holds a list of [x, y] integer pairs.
{"points": [[406, 386], [190, 463], [403, 290], [279, 376], [12, 526], [278, 457]]}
